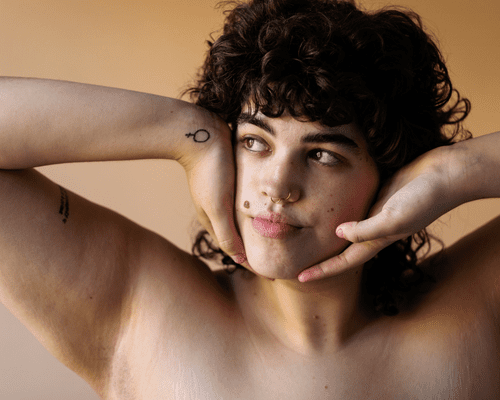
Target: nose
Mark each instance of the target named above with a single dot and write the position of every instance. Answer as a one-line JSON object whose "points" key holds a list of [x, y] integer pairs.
{"points": [[280, 181]]}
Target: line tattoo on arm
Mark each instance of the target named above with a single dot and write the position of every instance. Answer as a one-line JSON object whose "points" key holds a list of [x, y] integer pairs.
{"points": [[64, 206], [200, 136]]}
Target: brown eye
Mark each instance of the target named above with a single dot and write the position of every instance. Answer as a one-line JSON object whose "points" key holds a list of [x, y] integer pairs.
{"points": [[324, 157], [254, 145]]}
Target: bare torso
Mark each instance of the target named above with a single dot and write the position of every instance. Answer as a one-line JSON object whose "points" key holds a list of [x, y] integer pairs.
{"points": [[152, 322], [443, 346]]}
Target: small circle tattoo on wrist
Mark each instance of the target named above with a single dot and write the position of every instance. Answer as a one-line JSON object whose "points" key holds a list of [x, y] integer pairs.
{"points": [[246, 204]]}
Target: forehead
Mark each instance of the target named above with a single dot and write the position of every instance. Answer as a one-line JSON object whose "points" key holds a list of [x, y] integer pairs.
{"points": [[347, 135]]}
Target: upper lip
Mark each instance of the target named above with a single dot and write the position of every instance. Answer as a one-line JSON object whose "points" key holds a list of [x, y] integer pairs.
{"points": [[278, 218]]}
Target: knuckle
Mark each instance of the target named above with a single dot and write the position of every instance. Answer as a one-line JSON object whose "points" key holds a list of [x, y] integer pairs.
{"points": [[227, 245], [231, 246], [338, 263], [358, 237], [393, 217]]}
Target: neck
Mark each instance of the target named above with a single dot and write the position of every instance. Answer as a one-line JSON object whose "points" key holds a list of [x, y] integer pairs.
{"points": [[310, 318]]}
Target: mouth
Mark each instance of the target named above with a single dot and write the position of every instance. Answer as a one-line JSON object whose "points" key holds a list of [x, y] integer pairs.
{"points": [[273, 227]]}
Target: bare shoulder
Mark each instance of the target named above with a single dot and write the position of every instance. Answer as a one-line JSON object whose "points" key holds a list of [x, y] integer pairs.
{"points": [[449, 337], [78, 275], [474, 262], [181, 316], [467, 275], [179, 282], [175, 294], [468, 269]]}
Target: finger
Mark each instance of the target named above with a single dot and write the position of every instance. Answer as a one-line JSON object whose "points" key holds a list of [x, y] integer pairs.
{"points": [[355, 255], [239, 256], [379, 226], [205, 222], [227, 234]]}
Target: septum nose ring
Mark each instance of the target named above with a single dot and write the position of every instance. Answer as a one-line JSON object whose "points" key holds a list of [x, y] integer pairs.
{"points": [[279, 199]]}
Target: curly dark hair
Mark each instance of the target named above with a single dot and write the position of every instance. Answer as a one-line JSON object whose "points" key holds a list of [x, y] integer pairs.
{"points": [[331, 62]]}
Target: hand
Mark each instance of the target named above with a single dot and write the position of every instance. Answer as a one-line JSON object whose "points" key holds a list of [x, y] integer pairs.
{"points": [[211, 176], [414, 197]]}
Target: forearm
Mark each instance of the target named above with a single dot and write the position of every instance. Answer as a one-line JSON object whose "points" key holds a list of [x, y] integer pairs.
{"points": [[475, 167], [48, 122]]}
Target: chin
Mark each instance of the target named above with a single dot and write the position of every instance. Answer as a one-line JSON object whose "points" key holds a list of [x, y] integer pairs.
{"points": [[278, 263], [276, 266], [271, 267]]}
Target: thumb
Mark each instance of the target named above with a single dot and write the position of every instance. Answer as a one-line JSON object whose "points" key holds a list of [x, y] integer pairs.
{"points": [[369, 229], [230, 241], [227, 234]]}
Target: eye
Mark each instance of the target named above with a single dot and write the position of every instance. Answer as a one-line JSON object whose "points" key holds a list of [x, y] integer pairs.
{"points": [[324, 157], [253, 144]]}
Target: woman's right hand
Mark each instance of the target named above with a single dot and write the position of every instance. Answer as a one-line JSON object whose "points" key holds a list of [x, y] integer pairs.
{"points": [[211, 178]]}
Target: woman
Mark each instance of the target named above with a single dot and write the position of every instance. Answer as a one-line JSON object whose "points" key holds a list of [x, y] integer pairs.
{"points": [[138, 318]]}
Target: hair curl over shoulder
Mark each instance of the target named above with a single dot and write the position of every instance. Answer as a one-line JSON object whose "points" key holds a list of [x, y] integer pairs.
{"points": [[329, 61]]}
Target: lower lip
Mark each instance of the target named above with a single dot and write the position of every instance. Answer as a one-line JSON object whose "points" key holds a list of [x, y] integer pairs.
{"points": [[273, 230]]}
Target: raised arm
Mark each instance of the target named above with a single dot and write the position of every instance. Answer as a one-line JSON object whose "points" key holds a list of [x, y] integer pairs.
{"points": [[49, 122], [68, 267], [417, 195]]}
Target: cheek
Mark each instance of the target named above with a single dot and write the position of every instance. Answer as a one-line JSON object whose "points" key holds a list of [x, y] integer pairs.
{"points": [[331, 217], [243, 183], [352, 204]]}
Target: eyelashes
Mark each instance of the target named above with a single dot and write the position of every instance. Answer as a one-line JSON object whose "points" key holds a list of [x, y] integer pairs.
{"points": [[324, 157], [320, 156], [253, 144]]}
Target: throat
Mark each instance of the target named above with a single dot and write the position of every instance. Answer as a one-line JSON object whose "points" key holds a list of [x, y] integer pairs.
{"points": [[307, 319]]}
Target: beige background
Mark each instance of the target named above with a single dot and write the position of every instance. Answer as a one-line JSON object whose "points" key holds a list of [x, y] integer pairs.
{"points": [[156, 46]]}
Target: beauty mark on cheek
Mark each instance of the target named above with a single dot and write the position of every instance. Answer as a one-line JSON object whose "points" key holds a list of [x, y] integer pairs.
{"points": [[246, 204]]}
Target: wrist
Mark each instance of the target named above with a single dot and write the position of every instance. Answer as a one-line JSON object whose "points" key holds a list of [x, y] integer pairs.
{"points": [[199, 133], [464, 172]]}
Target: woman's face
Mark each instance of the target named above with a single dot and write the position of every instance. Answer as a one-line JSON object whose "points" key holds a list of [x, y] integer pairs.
{"points": [[327, 175]]}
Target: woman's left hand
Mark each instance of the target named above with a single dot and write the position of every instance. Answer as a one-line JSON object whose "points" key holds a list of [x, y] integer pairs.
{"points": [[414, 197]]}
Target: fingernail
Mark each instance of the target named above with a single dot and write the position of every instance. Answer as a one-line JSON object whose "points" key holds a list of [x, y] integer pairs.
{"points": [[305, 277], [310, 275], [239, 258], [340, 233]]}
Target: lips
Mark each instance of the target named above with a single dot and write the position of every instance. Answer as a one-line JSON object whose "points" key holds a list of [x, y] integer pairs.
{"points": [[273, 226]]}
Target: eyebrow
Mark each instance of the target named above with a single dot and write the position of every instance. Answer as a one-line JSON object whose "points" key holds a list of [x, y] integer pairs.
{"points": [[246, 118], [327, 136]]}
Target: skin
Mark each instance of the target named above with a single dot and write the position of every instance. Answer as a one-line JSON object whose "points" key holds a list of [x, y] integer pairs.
{"points": [[418, 194], [138, 318], [328, 183], [319, 339]]}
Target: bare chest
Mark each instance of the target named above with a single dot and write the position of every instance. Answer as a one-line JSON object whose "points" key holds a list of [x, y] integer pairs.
{"points": [[450, 368], [449, 350]]}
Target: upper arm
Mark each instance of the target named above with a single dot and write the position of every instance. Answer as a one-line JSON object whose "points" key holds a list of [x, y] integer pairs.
{"points": [[65, 269]]}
